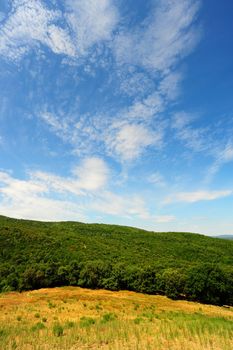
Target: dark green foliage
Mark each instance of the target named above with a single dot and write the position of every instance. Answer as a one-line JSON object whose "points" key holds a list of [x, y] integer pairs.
{"points": [[209, 283], [58, 330], [138, 320], [86, 322], [38, 326], [69, 324], [180, 265], [171, 282], [108, 317]]}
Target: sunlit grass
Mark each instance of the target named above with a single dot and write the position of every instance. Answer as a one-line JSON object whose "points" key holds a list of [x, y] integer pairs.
{"points": [[74, 318]]}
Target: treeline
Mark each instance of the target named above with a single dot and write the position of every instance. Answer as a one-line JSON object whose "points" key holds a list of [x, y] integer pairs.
{"points": [[36, 255], [206, 283]]}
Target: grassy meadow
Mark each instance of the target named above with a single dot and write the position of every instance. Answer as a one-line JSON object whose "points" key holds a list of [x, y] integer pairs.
{"points": [[75, 318]]}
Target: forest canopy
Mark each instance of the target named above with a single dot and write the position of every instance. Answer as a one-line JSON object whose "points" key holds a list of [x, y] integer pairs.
{"points": [[190, 266]]}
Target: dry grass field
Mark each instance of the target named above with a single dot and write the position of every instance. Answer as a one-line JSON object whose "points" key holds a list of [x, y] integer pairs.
{"points": [[75, 318]]}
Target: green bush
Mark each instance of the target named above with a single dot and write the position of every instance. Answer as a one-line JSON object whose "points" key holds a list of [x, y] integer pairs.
{"points": [[38, 326], [69, 324], [58, 330], [108, 317], [86, 322]]}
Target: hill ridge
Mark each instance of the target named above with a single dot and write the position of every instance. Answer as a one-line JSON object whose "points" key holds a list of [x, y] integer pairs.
{"points": [[36, 254]]}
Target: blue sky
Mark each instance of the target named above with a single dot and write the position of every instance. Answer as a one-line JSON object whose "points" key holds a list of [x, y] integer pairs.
{"points": [[118, 112]]}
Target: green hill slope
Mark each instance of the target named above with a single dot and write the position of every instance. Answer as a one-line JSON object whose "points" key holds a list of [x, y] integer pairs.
{"points": [[38, 254]]}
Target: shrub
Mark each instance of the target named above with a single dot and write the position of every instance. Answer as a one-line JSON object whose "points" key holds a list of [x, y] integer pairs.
{"points": [[138, 320], [38, 326], [70, 324], [108, 317], [86, 322], [58, 330]]}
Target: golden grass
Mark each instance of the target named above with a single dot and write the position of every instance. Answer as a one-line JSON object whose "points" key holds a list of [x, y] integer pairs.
{"points": [[75, 318]]}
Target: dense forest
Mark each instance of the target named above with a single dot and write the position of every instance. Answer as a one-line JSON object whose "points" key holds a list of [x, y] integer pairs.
{"points": [[179, 265]]}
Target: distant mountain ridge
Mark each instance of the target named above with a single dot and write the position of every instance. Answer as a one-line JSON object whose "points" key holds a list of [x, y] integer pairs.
{"points": [[37, 254], [224, 237]]}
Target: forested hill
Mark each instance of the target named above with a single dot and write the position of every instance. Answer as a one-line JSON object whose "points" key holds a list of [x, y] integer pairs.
{"points": [[40, 254]]}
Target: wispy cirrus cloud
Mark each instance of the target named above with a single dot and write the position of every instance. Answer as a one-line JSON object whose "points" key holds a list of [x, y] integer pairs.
{"points": [[197, 196], [203, 140], [157, 179], [165, 37], [91, 21], [125, 135], [122, 138], [31, 24], [157, 45], [223, 156], [194, 138]]}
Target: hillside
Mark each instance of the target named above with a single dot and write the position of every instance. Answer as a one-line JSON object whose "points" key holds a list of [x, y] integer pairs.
{"points": [[39, 254], [71, 318]]}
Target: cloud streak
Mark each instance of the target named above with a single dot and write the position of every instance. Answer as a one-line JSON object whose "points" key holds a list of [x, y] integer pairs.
{"points": [[91, 21], [47, 196], [197, 196], [166, 36]]}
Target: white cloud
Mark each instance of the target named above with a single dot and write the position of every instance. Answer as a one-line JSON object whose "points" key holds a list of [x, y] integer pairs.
{"points": [[222, 157], [92, 21], [30, 24], [50, 197], [159, 43], [181, 120], [26, 199], [118, 205], [41, 208], [19, 188], [204, 140], [124, 136], [62, 126], [157, 179], [192, 197], [163, 219], [146, 109], [45, 196], [200, 139], [92, 174], [227, 154], [169, 86], [166, 37], [134, 83], [128, 141], [195, 138]]}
